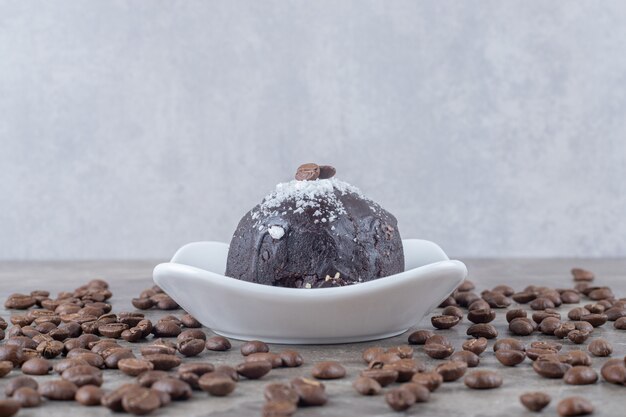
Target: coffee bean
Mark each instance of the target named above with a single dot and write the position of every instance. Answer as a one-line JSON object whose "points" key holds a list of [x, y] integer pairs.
{"points": [[163, 362], [534, 353], [308, 172], [596, 320], [509, 344], [515, 313], [452, 311], [601, 293], [481, 315], [254, 346], [466, 285], [419, 337], [400, 399], [140, 401], [550, 368], [577, 313], [482, 330], [218, 384], [524, 297], [476, 346], [328, 370], [521, 326], [270, 357], [450, 301], [578, 336], [191, 334], [148, 378], [27, 397], [546, 344], [541, 303], [580, 375], [444, 322], [470, 358], [451, 370], [165, 302], [620, 324], [383, 359], [134, 366], [510, 357], [113, 399], [280, 392], [570, 297], [5, 368], [326, 172], [157, 349], [310, 392], [564, 330], [581, 274], [464, 299], [198, 368], [578, 357], [58, 390], [431, 380], [383, 376], [614, 371], [36, 366], [11, 353], [191, 347], [366, 386], [535, 401], [479, 304], [583, 326], [50, 349], [574, 406], [112, 356], [254, 370], [166, 328], [83, 375], [549, 325], [175, 388], [372, 353], [19, 302], [18, 382], [190, 321], [483, 379], [438, 339], [91, 358], [228, 371], [406, 368], [10, 407], [438, 351], [143, 303], [89, 395], [278, 409], [600, 347], [217, 343], [112, 330], [291, 358]]}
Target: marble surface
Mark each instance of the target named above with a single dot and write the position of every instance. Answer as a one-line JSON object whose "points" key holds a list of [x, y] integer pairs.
{"points": [[494, 128], [127, 279]]}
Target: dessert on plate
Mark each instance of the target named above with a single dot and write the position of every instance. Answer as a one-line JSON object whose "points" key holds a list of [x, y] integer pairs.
{"points": [[314, 232]]}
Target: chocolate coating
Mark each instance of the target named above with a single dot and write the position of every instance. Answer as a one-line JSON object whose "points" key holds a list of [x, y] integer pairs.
{"points": [[333, 239]]}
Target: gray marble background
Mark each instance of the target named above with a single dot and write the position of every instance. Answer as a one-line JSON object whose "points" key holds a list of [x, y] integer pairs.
{"points": [[495, 128]]}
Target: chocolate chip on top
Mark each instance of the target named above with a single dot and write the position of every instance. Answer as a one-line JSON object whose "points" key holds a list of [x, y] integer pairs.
{"points": [[311, 172]]}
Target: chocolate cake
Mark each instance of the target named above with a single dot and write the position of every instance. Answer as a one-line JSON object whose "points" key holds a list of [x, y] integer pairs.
{"points": [[313, 232]]}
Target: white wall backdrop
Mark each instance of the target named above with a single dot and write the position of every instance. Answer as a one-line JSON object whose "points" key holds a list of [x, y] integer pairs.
{"points": [[495, 128]]}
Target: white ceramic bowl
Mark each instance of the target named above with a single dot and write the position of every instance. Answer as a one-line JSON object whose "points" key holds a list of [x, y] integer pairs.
{"points": [[371, 310]]}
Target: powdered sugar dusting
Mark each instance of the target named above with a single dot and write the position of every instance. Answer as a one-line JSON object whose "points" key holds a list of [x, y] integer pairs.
{"points": [[276, 232], [307, 194]]}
